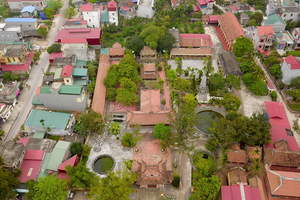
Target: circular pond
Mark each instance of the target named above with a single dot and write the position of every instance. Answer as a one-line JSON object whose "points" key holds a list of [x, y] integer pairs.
{"points": [[205, 119], [104, 164]]}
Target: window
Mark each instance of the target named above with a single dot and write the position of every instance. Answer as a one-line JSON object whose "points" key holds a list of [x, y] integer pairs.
{"points": [[262, 39], [90, 20], [284, 15], [291, 15], [29, 25], [113, 14], [113, 19]]}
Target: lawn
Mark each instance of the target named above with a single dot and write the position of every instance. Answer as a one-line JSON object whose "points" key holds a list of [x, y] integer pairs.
{"points": [[295, 106]]}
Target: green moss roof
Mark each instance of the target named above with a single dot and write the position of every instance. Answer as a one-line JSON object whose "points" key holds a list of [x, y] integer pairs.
{"points": [[70, 89], [272, 19]]}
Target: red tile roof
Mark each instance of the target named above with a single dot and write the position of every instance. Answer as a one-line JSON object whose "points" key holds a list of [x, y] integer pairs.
{"points": [[196, 8], [112, 6], [271, 87], [88, 33], [197, 36], [124, 8], [294, 63], [213, 18], [150, 101], [71, 161], [31, 165], [201, 2], [277, 114], [149, 119], [98, 104], [265, 30], [231, 27], [251, 154], [191, 51], [256, 182], [237, 175], [236, 154], [234, 192], [73, 40], [67, 71], [87, 7], [23, 67], [233, 8], [174, 2], [24, 141], [117, 50], [55, 55]]}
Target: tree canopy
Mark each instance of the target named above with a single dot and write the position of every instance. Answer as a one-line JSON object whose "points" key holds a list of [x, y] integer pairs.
{"points": [[166, 43], [161, 131], [242, 46], [136, 44], [258, 17], [42, 31], [55, 4], [80, 176], [54, 48], [206, 188], [69, 13], [49, 12], [117, 185], [152, 35]]}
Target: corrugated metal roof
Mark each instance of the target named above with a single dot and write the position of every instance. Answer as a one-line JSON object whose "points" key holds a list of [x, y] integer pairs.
{"points": [[36, 101], [104, 51], [58, 154], [272, 19], [28, 9], [45, 90], [43, 170], [80, 82], [80, 72], [80, 63], [57, 73], [52, 119], [70, 89], [21, 20], [63, 145], [39, 134], [104, 16]]}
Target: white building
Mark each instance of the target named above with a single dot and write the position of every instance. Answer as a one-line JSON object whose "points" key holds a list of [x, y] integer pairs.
{"points": [[77, 47], [91, 14], [17, 6], [146, 8], [290, 68], [112, 12]]}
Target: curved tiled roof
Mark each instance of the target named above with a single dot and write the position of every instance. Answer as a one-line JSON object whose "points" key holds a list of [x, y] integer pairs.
{"points": [[231, 26]]}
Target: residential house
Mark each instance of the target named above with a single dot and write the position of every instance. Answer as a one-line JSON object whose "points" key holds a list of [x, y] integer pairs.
{"points": [[153, 167], [233, 9], [92, 35], [10, 35], [229, 64], [13, 54], [239, 192], [9, 92], [12, 154], [296, 37], [148, 53], [238, 7], [62, 174], [17, 6], [117, 52], [112, 9], [104, 16], [256, 182], [213, 19], [195, 41], [149, 71], [6, 110], [59, 123], [31, 165], [175, 4], [291, 14], [263, 38], [237, 156], [290, 68], [60, 153], [150, 112], [29, 11], [244, 19], [91, 14], [18, 68], [63, 61], [77, 47], [205, 19], [230, 29], [146, 8], [55, 55], [98, 103], [75, 23], [25, 23], [280, 126], [282, 167], [206, 6], [68, 93], [276, 21], [175, 32], [36, 142], [285, 40], [237, 176]]}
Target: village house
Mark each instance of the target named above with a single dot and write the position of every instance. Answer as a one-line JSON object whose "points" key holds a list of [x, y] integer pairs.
{"points": [[6, 110], [290, 68], [37, 142], [229, 64], [206, 6], [55, 123], [238, 7], [117, 52], [296, 37], [285, 40], [91, 14], [13, 54], [25, 23], [29, 11], [149, 71], [263, 38], [237, 176], [75, 23], [62, 174], [9, 92], [244, 19], [190, 52], [175, 4], [195, 41], [17, 6], [230, 29], [213, 19], [77, 47], [291, 14], [237, 156], [148, 53], [276, 21], [238, 191], [18, 68], [10, 35], [112, 10], [146, 8], [13, 154], [104, 16], [67, 93]]}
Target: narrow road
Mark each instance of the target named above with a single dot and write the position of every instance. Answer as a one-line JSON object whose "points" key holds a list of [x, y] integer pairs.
{"points": [[35, 79], [220, 7]]}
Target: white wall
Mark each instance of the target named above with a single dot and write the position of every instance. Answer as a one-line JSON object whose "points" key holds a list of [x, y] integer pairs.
{"points": [[294, 16], [287, 73], [113, 17], [92, 18], [145, 11]]}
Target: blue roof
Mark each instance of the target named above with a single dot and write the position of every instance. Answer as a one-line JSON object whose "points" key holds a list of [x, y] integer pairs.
{"points": [[28, 9], [20, 20]]}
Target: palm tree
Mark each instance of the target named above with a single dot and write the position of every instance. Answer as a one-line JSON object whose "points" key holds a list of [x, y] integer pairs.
{"points": [[256, 152], [258, 73], [42, 122]]}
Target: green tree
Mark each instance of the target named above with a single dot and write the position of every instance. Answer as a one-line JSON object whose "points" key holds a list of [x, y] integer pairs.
{"points": [[49, 12], [8, 181], [136, 44], [55, 4], [48, 23], [70, 12], [231, 102], [126, 97], [290, 25], [117, 185], [233, 81], [206, 188], [208, 69], [91, 86], [7, 76], [42, 31], [92, 121], [197, 14], [295, 82], [259, 87], [130, 140], [258, 73], [92, 70], [76, 148], [204, 167], [190, 101], [152, 35], [111, 93], [167, 42], [248, 79], [80, 176], [276, 70], [293, 53], [86, 149], [242, 46], [161, 131], [111, 79], [127, 84], [50, 188], [295, 93], [258, 17], [30, 184], [54, 48], [114, 128], [92, 1], [216, 82]]}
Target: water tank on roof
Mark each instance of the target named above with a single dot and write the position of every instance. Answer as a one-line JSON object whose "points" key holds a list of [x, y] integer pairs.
{"points": [[120, 10], [125, 11], [77, 23]]}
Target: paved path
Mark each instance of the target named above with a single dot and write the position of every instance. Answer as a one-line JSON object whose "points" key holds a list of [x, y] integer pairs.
{"points": [[185, 173], [220, 7], [35, 80]]}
